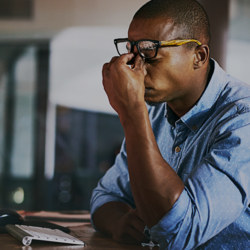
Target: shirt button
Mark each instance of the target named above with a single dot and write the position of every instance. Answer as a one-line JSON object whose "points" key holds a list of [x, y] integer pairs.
{"points": [[177, 149], [194, 127]]}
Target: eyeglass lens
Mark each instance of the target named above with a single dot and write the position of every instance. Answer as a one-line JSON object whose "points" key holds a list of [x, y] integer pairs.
{"points": [[146, 48], [124, 47]]}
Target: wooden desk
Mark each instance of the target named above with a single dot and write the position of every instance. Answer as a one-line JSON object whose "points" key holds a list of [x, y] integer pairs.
{"points": [[93, 241]]}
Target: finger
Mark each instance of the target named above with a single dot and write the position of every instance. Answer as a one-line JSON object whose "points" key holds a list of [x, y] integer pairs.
{"points": [[138, 235], [125, 58], [113, 59], [106, 66], [137, 222], [127, 239], [104, 69], [138, 225], [136, 212], [131, 236], [139, 63]]}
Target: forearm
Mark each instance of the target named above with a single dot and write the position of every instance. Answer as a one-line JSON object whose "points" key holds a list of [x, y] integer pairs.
{"points": [[108, 214], [155, 185]]}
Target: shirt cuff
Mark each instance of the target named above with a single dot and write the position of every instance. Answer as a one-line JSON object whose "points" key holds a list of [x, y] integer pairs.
{"points": [[169, 225]]}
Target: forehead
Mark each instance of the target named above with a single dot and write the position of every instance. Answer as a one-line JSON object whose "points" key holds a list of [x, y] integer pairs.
{"points": [[155, 29]]}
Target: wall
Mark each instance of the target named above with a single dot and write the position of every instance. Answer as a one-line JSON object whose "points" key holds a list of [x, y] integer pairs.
{"points": [[51, 16]]}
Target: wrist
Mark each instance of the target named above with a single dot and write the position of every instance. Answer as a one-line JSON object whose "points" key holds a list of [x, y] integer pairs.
{"points": [[135, 115]]}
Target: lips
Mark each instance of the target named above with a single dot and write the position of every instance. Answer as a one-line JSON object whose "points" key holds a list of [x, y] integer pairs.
{"points": [[147, 89]]}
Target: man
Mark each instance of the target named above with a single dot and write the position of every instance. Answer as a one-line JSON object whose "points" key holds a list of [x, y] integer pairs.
{"points": [[182, 177]]}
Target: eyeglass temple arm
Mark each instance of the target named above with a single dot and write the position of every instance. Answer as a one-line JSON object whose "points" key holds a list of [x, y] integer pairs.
{"points": [[179, 42]]}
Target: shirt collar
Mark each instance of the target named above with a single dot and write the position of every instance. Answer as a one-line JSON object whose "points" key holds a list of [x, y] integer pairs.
{"points": [[171, 116], [195, 117]]}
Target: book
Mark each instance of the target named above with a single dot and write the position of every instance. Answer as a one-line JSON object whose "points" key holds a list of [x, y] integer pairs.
{"points": [[70, 216]]}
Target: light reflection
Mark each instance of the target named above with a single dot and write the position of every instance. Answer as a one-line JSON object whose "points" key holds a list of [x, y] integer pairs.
{"points": [[18, 195]]}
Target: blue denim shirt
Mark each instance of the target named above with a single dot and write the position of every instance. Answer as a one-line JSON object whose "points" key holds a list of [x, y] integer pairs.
{"points": [[213, 161]]}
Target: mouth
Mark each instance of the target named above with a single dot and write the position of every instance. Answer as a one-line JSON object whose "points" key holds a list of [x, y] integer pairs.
{"points": [[147, 90]]}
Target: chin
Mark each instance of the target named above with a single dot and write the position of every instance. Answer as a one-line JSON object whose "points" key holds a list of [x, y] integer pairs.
{"points": [[152, 98], [152, 103]]}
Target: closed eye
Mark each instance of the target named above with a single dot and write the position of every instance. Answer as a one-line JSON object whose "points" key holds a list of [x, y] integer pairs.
{"points": [[151, 60]]}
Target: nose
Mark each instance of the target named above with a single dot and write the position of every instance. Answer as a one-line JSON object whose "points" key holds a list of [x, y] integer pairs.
{"points": [[134, 50]]}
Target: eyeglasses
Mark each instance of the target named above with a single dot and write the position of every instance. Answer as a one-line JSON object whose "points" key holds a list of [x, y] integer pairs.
{"points": [[147, 48]]}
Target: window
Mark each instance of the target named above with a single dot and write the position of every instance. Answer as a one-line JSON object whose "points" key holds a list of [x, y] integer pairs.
{"points": [[238, 50]]}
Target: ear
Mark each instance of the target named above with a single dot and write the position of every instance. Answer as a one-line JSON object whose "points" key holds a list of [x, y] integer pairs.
{"points": [[201, 56]]}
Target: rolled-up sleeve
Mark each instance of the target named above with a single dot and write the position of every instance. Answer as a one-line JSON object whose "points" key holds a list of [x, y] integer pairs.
{"points": [[115, 184], [171, 223], [216, 192]]}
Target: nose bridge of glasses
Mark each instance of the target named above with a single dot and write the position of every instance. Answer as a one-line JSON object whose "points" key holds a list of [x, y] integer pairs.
{"points": [[134, 48]]}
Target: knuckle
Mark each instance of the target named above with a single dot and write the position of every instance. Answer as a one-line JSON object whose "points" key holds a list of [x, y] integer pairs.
{"points": [[105, 65], [114, 59]]}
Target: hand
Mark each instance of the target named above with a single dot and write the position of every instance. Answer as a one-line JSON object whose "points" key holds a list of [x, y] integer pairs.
{"points": [[129, 229], [123, 84]]}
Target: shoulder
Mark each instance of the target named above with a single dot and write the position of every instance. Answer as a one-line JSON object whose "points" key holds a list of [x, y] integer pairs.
{"points": [[235, 90], [236, 94], [232, 109], [226, 88]]}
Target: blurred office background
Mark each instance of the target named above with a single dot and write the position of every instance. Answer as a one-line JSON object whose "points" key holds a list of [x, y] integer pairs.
{"points": [[58, 134]]}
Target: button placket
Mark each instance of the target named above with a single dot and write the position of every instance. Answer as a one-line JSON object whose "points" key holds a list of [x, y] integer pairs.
{"points": [[178, 145]]}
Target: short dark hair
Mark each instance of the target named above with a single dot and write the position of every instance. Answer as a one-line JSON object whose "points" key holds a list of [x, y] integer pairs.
{"points": [[189, 15]]}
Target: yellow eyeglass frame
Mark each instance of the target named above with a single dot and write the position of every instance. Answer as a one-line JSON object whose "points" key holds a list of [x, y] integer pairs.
{"points": [[178, 42]]}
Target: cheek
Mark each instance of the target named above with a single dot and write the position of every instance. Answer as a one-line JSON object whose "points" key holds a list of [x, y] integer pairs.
{"points": [[170, 72], [178, 70], [181, 63], [155, 74], [164, 76]]}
